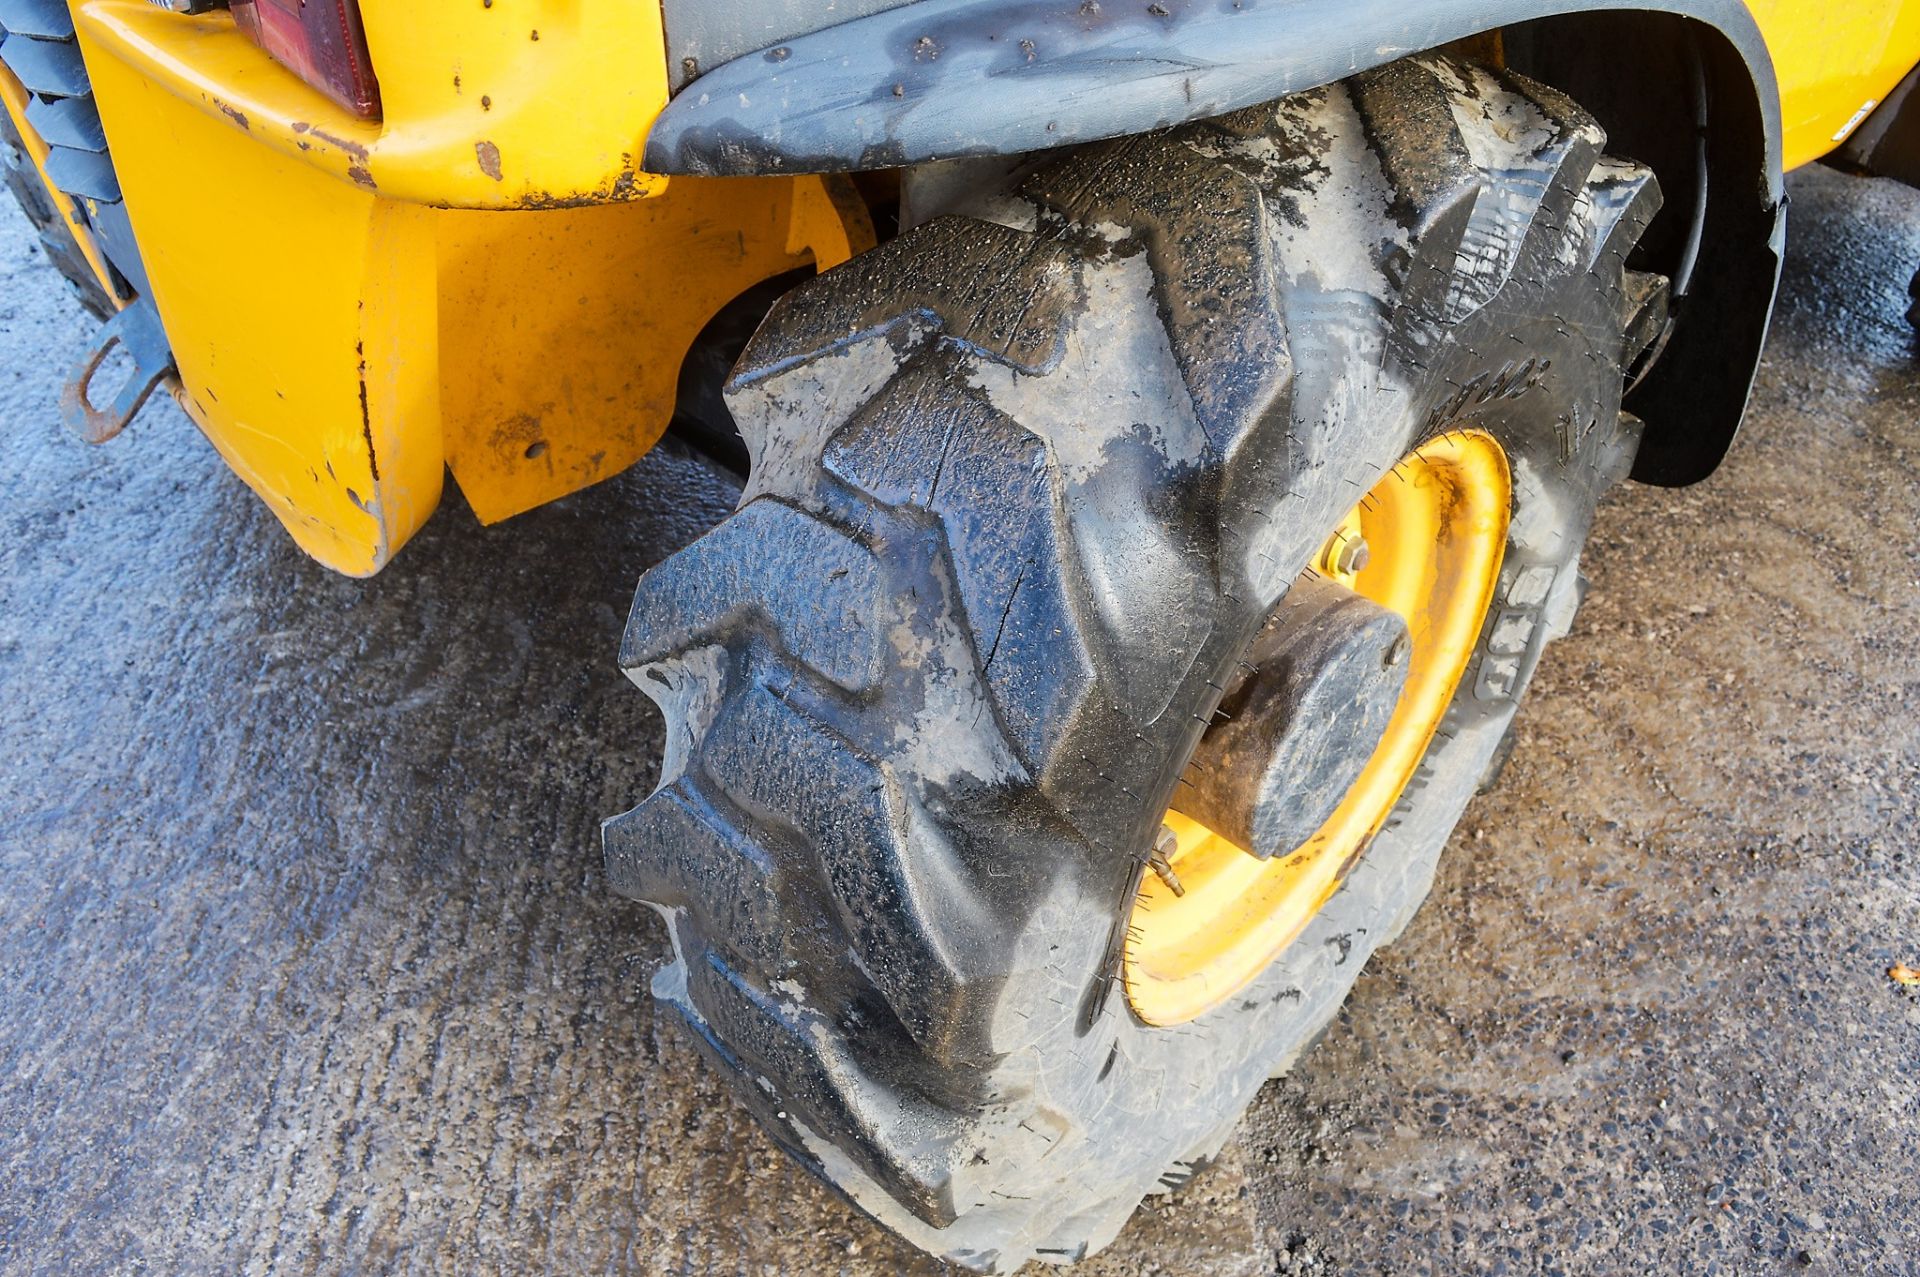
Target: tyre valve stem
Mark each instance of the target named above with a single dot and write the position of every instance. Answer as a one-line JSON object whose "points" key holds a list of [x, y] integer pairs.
{"points": [[1161, 858]]}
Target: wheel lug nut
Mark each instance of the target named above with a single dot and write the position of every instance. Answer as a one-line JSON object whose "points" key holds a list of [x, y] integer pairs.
{"points": [[1353, 555], [1396, 652], [1161, 860]]}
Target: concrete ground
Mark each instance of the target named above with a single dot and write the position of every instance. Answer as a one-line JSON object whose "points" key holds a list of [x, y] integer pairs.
{"points": [[307, 963]]}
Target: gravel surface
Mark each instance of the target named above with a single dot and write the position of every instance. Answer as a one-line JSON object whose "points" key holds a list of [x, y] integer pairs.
{"points": [[307, 963]]}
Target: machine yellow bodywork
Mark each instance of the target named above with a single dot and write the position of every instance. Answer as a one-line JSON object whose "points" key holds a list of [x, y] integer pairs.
{"points": [[482, 280], [479, 282], [1835, 63]]}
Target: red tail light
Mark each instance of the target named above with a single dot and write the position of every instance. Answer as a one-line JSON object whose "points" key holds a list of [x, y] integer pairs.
{"points": [[320, 41]]}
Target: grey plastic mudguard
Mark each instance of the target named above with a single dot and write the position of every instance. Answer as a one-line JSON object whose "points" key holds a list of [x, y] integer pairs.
{"points": [[943, 79]]}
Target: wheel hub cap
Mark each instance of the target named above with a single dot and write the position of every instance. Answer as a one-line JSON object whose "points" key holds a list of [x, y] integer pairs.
{"points": [[1294, 733]]}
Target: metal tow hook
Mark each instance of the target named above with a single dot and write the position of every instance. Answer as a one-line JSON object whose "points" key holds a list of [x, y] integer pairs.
{"points": [[137, 331]]}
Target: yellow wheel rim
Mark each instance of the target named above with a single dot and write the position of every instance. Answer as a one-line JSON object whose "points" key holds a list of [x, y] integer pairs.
{"points": [[1436, 528]]}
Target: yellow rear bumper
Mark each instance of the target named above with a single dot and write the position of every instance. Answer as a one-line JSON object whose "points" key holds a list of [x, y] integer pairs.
{"points": [[480, 281]]}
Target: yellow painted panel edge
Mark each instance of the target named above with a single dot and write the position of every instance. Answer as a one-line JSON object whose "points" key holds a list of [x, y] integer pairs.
{"points": [[477, 114], [301, 314], [549, 390]]}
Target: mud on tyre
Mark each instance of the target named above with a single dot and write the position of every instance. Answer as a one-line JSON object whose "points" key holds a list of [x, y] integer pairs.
{"points": [[1025, 485]]}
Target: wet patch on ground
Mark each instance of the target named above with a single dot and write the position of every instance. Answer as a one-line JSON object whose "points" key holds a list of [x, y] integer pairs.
{"points": [[307, 962], [1644, 1022]]}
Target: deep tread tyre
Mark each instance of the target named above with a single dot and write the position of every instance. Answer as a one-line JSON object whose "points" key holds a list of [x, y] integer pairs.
{"points": [[1022, 491], [55, 237]]}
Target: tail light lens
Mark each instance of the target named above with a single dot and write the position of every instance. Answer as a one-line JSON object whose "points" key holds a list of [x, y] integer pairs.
{"points": [[321, 42]]}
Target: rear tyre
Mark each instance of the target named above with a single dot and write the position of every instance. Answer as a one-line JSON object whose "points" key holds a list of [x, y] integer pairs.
{"points": [[1023, 491], [56, 238]]}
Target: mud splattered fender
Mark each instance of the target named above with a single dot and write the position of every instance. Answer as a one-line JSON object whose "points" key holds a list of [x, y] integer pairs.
{"points": [[942, 79]]}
